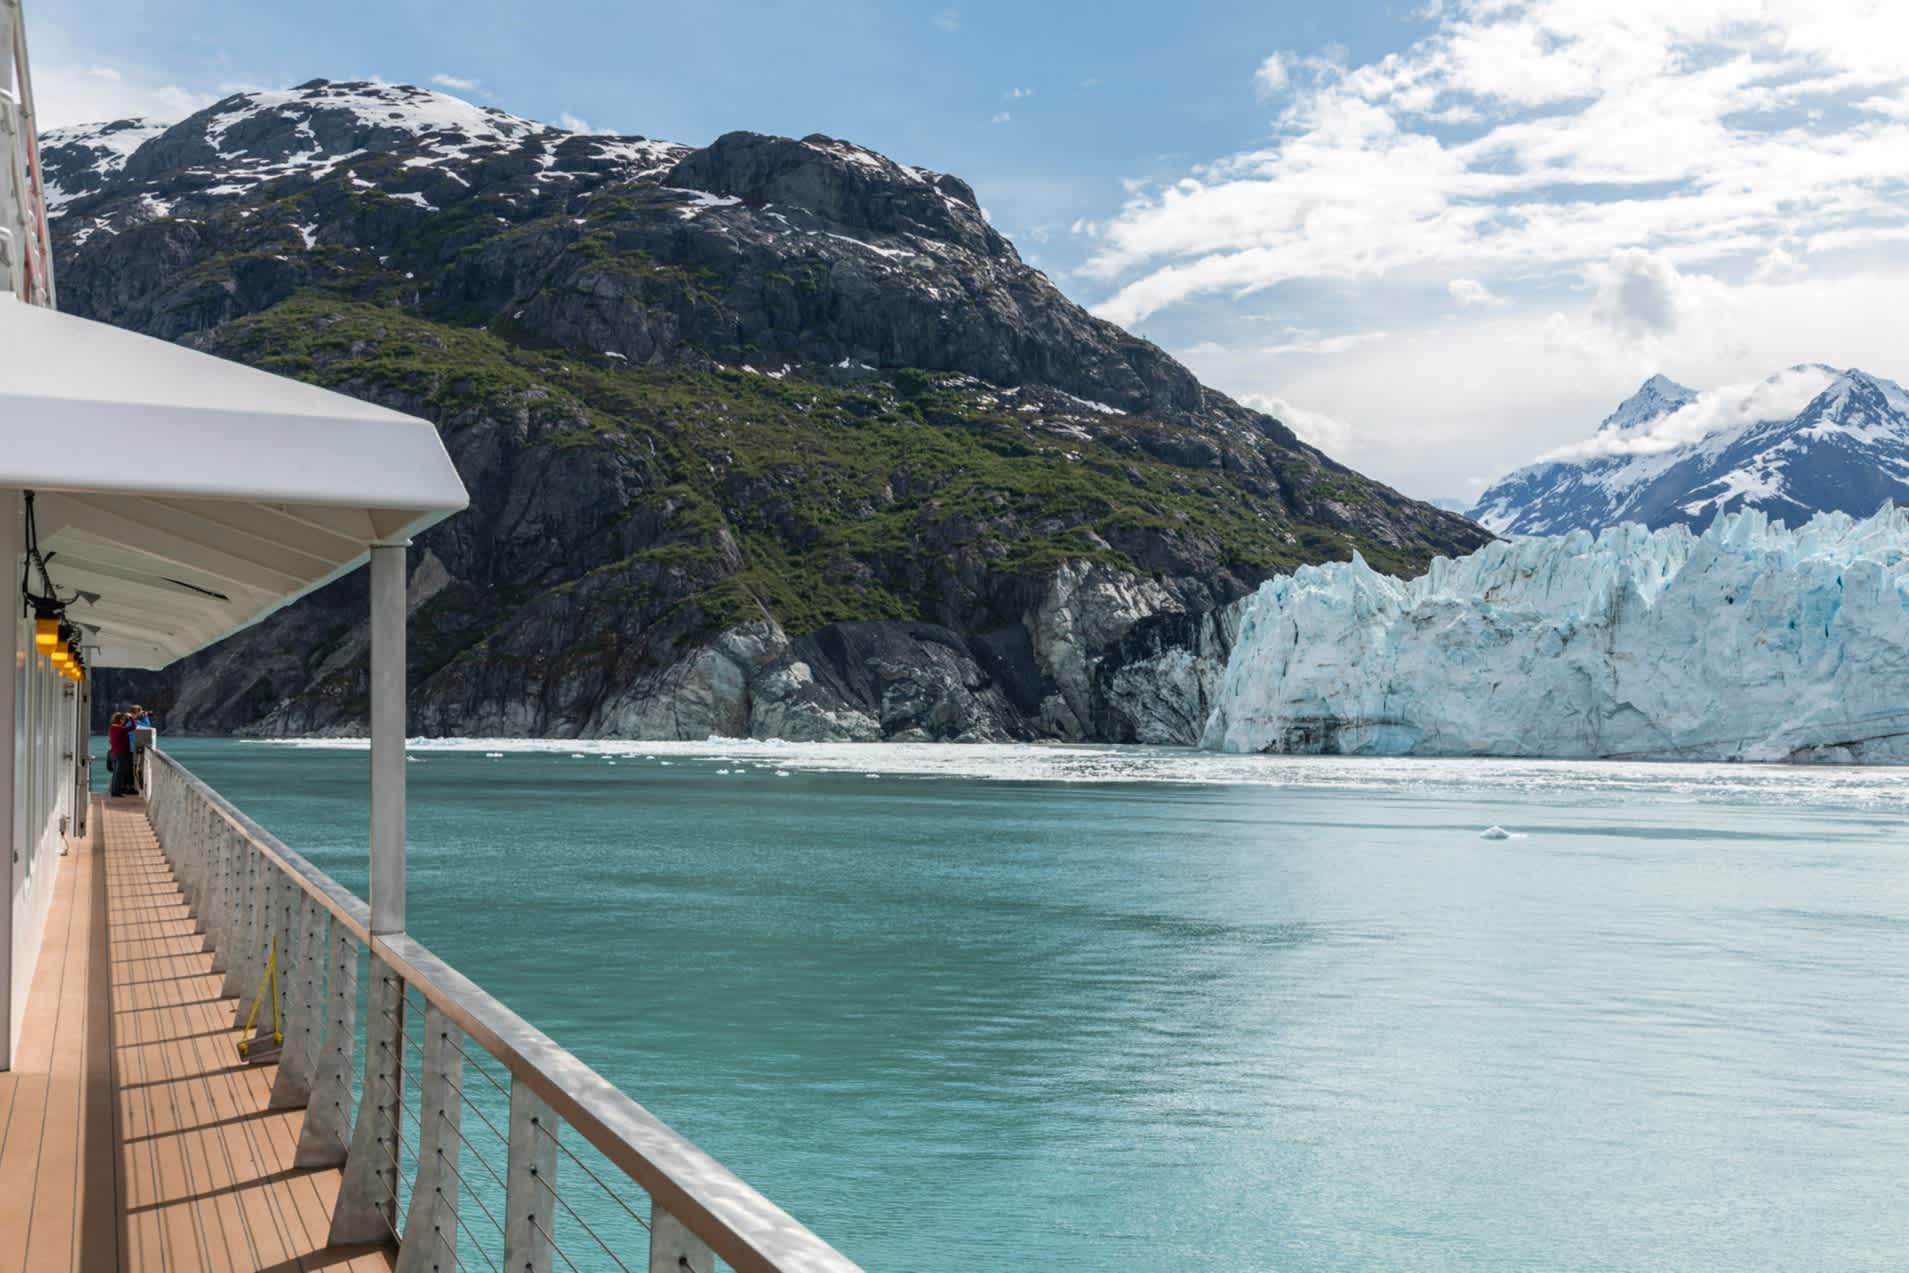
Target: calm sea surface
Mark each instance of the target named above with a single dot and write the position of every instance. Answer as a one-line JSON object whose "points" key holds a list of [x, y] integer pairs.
{"points": [[1038, 1008]]}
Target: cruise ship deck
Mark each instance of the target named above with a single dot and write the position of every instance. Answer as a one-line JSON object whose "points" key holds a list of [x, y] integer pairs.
{"points": [[131, 1135]]}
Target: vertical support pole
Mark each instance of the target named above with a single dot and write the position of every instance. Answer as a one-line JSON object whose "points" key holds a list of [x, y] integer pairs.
{"points": [[430, 1225], [12, 553], [218, 928], [321, 1142], [83, 757], [304, 1006], [530, 1181], [241, 973], [387, 738], [367, 1209], [674, 1248]]}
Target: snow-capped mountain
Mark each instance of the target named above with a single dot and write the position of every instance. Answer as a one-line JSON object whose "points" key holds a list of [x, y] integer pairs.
{"points": [[1809, 439], [774, 435], [243, 143], [1654, 399]]}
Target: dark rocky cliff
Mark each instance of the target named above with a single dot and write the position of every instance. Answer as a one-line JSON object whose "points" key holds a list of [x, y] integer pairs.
{"points": [[772, 436]]}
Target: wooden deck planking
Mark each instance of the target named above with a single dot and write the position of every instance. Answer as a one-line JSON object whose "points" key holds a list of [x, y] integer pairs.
{"points": [[58, 1208], [152, 1147]]}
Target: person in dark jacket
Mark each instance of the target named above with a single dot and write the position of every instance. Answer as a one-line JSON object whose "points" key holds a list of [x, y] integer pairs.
{"points": [[119, 755], [136, 720]]}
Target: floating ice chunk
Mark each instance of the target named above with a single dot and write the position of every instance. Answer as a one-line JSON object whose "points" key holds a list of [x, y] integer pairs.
{"points": [[493, 755], [782, 773], [1494, 833]]}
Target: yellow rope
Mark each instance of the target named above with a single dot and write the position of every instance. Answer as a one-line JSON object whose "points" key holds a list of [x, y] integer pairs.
{"points": [[268, 975]]}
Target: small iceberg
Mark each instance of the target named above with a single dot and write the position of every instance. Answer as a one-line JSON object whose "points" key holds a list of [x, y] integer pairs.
{"points": [[782, 773], [1494, 833], [493, 755]]}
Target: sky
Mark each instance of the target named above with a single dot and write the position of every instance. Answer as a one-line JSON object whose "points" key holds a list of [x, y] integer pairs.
{"points": [[1438, 238]]}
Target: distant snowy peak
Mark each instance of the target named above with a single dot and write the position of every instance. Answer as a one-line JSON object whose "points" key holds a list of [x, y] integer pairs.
{"points": [[1655, 399], [247, 139], [1807, 440]]}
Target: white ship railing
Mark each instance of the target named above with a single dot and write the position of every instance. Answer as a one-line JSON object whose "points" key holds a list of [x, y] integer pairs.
{"points": [[458, 1151], [26, 251]]}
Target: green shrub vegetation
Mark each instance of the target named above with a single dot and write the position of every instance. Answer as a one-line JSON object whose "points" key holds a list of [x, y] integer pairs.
{"points": [[842, 501]]}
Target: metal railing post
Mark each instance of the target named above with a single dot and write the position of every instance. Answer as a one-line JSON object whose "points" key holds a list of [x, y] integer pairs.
{"points": [[241, 975], [530, 1181], [673, 1248], [304, 1006], [321, 1141], [367, 1209], [430, 1225], [218, 902]]}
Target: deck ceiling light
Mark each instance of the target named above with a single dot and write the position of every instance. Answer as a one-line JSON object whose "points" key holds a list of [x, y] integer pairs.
{"points": [[53, 636]]}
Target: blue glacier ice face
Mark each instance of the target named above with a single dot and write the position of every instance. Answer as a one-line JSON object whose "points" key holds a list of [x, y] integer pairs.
{"points": [[1747, 642]]}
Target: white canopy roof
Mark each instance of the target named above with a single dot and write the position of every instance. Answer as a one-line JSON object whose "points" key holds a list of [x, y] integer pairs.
{"points": [[193, 495]]}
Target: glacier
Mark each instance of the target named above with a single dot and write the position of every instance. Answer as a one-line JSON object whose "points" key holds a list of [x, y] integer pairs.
{"points": [[1750, 641]]}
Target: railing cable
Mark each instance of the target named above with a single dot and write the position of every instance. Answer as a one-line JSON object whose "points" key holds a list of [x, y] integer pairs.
{"points": [[558, 1199], [614, 1196]]}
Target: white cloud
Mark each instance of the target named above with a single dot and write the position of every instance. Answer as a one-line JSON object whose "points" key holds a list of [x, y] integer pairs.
{"points": [[1016, 93], [1637, 294], [1299, 340], [947, 20], [1274, 74], [1681, 131], [1331, 435], [1000, 117], [457, 82], [1290, 341], [574, 123], [1778, 397], [1469, 291], [72, 93]]}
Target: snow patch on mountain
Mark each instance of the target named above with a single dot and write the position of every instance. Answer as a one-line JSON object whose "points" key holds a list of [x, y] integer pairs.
{"points": [[89, 155], [242, 142], [1747, 642]]}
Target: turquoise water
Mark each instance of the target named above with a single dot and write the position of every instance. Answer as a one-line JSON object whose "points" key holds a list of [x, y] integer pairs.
{"points": [[998, 1008]]}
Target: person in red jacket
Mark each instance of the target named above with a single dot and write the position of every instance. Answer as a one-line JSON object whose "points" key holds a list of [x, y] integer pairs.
{"points": [[119, 755]]}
